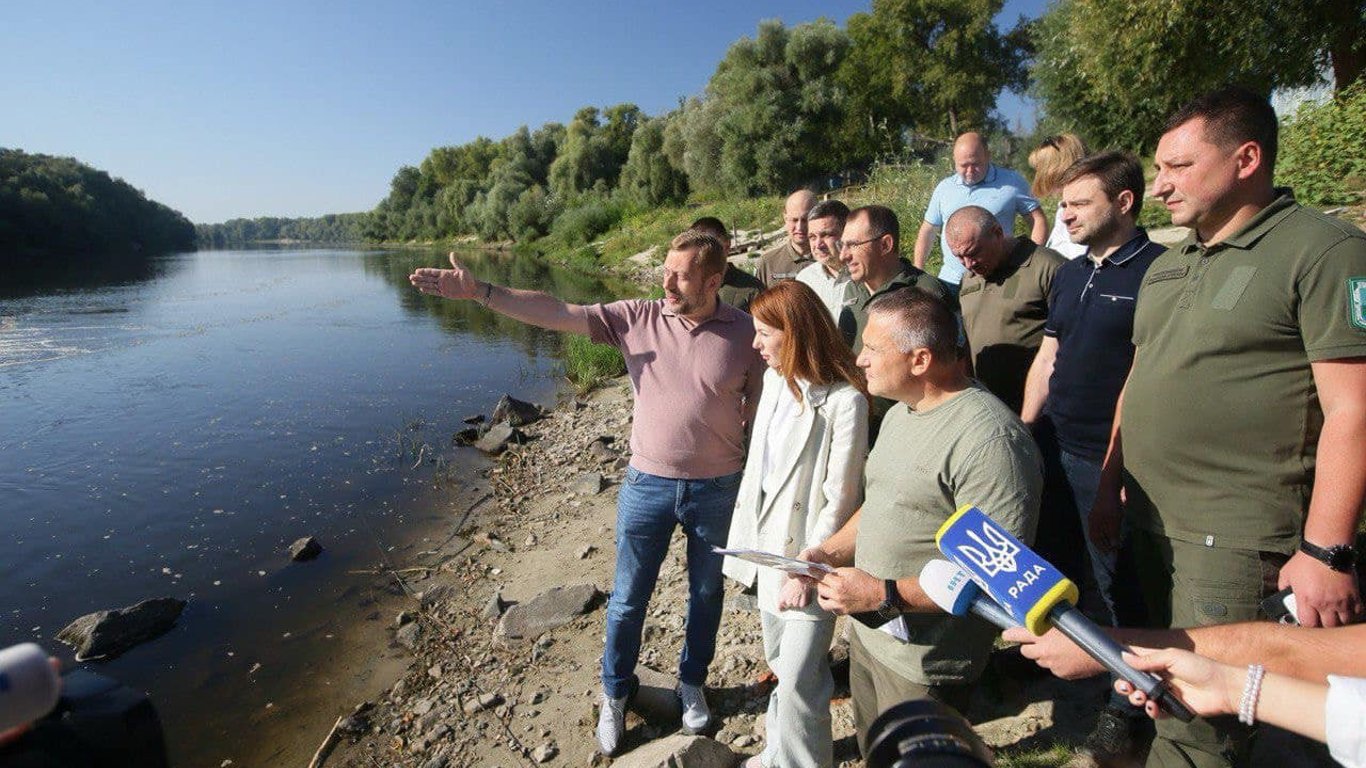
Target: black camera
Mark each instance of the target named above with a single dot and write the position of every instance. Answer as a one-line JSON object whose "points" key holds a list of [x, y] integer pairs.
{"points": [[98, 722], [925, 734]]}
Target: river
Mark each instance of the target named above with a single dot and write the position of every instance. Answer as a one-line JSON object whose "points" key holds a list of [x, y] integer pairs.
{"points": [[171, 432]]}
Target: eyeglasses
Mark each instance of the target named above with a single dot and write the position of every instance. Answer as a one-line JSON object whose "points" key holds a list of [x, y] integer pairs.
{"points": [[842, 244]]}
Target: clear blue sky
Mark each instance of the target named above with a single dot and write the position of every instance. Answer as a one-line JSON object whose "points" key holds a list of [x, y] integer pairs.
{"points": [[255, 108]]}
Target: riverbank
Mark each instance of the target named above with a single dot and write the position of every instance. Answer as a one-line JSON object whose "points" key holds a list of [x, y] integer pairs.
{"points": [[495, 678]]}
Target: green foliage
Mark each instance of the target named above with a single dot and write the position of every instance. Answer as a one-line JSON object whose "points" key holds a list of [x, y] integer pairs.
{"points": [[1323, 150], [657, 226], [1116, 89], [651, 175], [593, 215], [332, 228], [588, 365], [906, 189], [932, 67], [767, 120], [58, 206]]}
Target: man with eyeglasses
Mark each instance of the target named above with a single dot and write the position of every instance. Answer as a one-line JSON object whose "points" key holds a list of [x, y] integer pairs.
{"points": [[871, 251]]}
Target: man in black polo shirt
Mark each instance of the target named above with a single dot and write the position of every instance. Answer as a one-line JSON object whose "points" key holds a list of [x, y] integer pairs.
{"points": [[1075, 381]]}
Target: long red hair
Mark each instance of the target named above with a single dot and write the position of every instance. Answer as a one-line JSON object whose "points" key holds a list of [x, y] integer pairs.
{"points": [[813, 349]]}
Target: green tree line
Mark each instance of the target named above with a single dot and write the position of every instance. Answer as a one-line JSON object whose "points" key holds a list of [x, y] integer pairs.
{"points": [[58, 206], [331, 228], [817, 103]]}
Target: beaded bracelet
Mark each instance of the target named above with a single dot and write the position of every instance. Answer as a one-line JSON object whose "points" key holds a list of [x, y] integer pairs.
{"points": [[1252, 689]]}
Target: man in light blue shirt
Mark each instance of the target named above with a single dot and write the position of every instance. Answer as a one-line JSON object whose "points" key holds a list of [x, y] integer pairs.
{"points": [[977, 182]]}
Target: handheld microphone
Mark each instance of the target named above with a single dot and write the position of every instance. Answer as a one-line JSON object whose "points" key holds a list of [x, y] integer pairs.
{"points": [[954, 591], [1037, 595], [29, 686]]}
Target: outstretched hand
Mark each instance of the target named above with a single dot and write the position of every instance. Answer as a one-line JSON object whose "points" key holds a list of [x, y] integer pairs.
{"points": [[1206, 686], [455, 283], [1054, 652]]}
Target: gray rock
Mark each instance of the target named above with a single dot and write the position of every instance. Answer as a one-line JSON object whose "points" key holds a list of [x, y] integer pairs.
{"points": [[587, 551], [476, 419], [545, 753], [494, 607], [405, 617], [498, 438], [656, 700], [104, 635], [601, 450], [482, 702], [743, 602], [516, 412], [679, 750], [439, 761], [588, 484], [548, 610], [303, 549], [466, 436], [408, 634]]}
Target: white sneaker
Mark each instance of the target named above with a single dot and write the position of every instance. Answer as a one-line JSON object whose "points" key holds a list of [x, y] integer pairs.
{"points": [[696, 715], [611, 724]]}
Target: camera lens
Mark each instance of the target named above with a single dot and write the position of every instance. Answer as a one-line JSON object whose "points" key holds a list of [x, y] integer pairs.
{"points": [[925, 734]]}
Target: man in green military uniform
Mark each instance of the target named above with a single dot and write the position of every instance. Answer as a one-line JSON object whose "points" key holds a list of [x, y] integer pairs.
{"points": [[871, 251], [1240, 430], [786, 260], [738, 287], [1004, 296]]}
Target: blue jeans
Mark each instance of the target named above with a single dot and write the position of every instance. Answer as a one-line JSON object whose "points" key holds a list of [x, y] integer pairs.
{"points": [[648, 509]]}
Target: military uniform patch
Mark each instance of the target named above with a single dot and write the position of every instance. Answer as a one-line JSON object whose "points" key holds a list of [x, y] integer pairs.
{"points": [[1356, 291]]}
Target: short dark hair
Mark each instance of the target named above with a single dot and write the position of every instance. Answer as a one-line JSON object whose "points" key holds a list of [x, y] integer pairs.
{"points": [[1233, 115], [712, 226], [1116, 172], [923, 321], [827, 209], [881, 220], [709, 252]]}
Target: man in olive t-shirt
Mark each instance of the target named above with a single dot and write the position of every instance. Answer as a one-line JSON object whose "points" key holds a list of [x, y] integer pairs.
{"points": [[1004, 296], [738, 287], [945, 443], [1242, 422]]}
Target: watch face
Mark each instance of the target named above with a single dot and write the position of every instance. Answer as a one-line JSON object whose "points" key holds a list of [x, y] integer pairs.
{"points": [[1341, 558]]}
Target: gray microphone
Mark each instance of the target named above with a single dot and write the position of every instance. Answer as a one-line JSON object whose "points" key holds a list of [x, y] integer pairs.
{"points": [[29, 686], [953, 590]]}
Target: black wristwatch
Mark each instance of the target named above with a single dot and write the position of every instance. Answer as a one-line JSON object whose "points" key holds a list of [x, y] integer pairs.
{"points": [[891, 602], [1340, 558]]}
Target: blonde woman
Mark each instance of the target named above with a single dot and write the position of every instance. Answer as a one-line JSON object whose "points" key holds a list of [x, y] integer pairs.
{"points": [[1055, 155], [803, 478]]}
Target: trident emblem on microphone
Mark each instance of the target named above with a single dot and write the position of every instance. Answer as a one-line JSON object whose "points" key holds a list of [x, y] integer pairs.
{"points": [[996, 554]]}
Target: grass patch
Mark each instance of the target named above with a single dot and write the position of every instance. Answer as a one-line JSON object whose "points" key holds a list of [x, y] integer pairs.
{"points": [[1049, 757], [657, 227], [588, 365]]}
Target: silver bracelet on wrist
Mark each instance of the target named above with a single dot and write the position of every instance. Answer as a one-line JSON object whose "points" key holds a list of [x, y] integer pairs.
{"points": [[1252, 689]]}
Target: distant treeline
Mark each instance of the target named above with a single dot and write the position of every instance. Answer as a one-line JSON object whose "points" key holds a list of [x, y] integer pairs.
{"points": [[57, 207], [332, 228], [813, 103]]}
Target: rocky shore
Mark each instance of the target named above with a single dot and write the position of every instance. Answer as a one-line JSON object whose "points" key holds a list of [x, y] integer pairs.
{"points": [[505, 626]]}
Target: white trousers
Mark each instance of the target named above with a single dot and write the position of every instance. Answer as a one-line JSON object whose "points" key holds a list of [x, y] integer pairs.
{"points": [[798, 719]]}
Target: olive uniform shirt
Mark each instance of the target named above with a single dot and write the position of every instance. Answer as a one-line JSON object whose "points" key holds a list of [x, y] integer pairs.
{"points": [[970, 449], [1221, 416], [854, 317], [781, 263], [1005, 314], [738, 288]]}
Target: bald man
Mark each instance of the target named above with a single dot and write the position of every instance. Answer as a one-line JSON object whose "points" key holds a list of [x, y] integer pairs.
{"points": [[977, 182], [785, 261]]}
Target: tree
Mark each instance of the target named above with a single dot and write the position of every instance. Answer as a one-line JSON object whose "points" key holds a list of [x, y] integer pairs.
{"points": [[651, 176], [1117, 89], [933, 67], [764, 124]]}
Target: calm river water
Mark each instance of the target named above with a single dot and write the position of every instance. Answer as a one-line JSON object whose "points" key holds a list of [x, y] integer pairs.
{"points": [[172, 433]]}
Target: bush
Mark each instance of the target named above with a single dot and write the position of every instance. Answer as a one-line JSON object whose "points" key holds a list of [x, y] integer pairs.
{"points": [[588, 365], [583, 223], [1323, 150]]}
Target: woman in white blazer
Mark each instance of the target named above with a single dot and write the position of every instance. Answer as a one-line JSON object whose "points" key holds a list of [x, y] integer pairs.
{"points": [[803, 479]]}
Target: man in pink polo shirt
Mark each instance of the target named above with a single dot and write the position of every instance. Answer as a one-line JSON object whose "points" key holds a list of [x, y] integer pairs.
{"points": [[696, 381]]}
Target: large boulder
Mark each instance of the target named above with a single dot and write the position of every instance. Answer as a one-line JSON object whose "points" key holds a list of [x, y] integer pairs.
{"points": [[516, 412], [305, 549], [676, 751], [548, 610], [103, 635]]}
